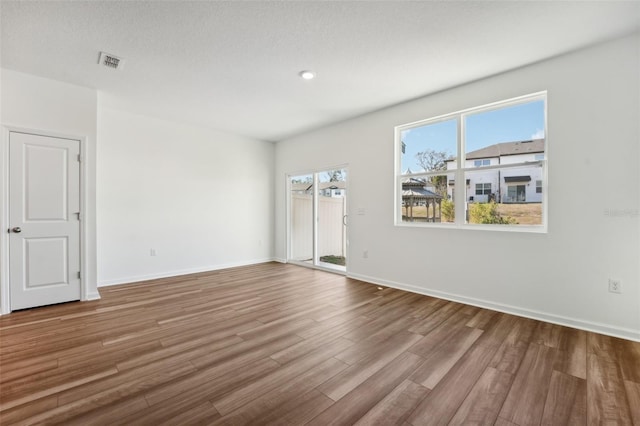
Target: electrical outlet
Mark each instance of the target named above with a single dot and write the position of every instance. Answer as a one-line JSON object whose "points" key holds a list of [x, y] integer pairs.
{"points": [[152, 252], [615, 286]]}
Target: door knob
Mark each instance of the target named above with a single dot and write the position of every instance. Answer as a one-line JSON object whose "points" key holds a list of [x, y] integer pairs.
{"points": [[17, 230]]}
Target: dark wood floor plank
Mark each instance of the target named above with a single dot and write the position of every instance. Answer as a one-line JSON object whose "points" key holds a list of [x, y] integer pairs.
{"points": [[606, 395], [547, 334], [394, 408], [444, 400], [246, 351], [70, 383], [305, 346], [375, 360], [221, 363], [204, 414], [166, 400], [366, 346], [629, 359], [572, 353], [301, 409], [442, 332], [482, 405], [282, 345], [286, 373], [109, 414], [365, 396], [633, 396], [109, 402], [503, 422], [23, 411], [566, 401], [481, 319], [442, 357], [526, 399], [10, 372], [279, 402], [511, 352], [435, 319], [187, 350]]}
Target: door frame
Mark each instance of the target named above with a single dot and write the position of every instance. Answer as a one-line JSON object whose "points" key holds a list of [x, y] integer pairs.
{"points": [[5, 301], [287, 186]]}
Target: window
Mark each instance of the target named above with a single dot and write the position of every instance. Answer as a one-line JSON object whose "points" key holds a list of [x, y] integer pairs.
{"points": [[483, 188], [498, 154]]}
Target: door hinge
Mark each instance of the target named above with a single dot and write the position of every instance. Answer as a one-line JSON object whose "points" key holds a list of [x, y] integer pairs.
{"points": [[79, 158], [79, 275], [78, 214]]}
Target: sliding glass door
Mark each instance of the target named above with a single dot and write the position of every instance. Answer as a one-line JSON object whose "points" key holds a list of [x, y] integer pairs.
{"points": [[318, 219]]}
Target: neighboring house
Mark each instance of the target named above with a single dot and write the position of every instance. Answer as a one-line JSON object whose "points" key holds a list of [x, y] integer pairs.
{"points": [[327, 189], [513, 185]]}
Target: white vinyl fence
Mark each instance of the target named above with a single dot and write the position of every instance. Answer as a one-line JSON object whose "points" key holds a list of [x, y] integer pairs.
{"points": [[331, 230]]}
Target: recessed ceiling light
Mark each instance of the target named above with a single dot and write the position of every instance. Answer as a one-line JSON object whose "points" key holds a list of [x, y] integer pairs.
{"points": [[307, 75]]}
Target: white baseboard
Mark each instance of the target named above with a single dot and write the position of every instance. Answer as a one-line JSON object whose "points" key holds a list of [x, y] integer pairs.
{"points": [[624, 333], [279, 260], [94, 295], [175, 273]]}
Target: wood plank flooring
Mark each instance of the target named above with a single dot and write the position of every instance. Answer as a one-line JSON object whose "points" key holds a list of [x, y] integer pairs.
{"points": [[285, 345]]}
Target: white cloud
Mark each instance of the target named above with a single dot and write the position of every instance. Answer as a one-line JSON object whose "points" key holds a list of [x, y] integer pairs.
{"points": [[539, 134]]}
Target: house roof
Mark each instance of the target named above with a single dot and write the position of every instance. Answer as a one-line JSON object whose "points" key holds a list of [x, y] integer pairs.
{"points": [[416, 188], [508, 148], [419, 193], [305, 186]]}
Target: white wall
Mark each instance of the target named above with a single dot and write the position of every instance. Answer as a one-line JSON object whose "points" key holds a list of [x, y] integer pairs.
{"points": [[201, 198], [593, 146], [46, 105]]}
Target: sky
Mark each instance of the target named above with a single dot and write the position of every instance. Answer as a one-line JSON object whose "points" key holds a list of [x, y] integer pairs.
{"points": [[516, 123]]}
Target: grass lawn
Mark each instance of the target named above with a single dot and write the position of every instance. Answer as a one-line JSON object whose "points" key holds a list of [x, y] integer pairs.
{"points": [[336, 260], [524, 214]]}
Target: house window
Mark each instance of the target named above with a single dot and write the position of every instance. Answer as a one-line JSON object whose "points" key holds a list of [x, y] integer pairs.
{"points": [[499, 150], [483, 188]]}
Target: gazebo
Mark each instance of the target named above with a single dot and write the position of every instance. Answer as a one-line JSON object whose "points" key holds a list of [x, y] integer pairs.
{"points": [[415, 193]]}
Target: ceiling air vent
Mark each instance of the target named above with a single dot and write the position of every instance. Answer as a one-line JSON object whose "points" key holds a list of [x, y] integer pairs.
{"points": [[111, 61]]}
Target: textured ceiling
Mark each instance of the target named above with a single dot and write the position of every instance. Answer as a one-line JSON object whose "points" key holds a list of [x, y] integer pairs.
{"points": [[233, 65]]}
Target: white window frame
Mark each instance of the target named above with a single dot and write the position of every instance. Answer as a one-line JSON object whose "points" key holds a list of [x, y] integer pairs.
{"points": [[539, 186], [483, 162], [459, 174], [483, 186]]}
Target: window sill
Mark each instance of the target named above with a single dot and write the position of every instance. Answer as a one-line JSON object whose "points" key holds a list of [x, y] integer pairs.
{"points": [[535, 229]]}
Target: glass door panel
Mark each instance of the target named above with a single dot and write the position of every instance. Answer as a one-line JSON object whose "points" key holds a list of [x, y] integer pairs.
{"points": [[301, 213], [318, 219], [332, 219]]}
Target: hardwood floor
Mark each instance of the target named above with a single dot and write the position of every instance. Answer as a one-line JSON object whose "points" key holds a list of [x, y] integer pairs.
{"points": [[280, 344]]}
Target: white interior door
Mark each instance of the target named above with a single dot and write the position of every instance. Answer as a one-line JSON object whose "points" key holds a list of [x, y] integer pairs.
{"points": [[44, 220]]}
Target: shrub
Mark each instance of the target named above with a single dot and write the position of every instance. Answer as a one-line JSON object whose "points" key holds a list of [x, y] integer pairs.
{"points": [[488, 213], [447, 211]]}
